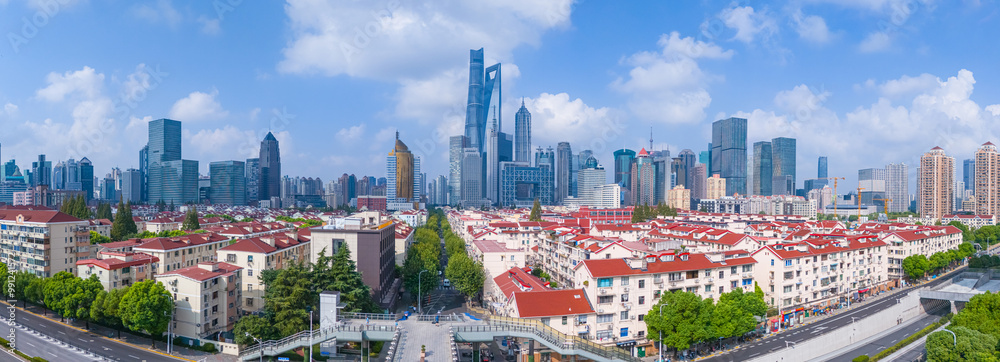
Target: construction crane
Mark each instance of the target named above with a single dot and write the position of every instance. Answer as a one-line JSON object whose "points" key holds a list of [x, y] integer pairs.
{"points": [[859, 202], [835, 179], [885, 202]]}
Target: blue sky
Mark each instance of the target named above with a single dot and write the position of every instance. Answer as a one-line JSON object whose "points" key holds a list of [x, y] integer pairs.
{"points": [[862, 82]]}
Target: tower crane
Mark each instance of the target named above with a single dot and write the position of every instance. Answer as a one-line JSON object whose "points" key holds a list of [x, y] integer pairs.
{"points": [[859, 202], [886, 202], [835, 179]]}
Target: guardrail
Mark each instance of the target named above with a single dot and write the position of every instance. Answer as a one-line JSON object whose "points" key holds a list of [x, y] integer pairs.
{"points": [[550, 335], [370, 316], [304, 338]]}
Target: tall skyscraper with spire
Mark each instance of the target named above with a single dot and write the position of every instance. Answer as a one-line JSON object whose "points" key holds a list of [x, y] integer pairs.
{"points": [[481, 84], [522, 134], [269, 184]]}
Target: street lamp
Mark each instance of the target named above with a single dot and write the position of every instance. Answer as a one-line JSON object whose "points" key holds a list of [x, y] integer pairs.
{"points": [[661, 334], [260, 346], [170, 322], [953, 337], [420, 300]]}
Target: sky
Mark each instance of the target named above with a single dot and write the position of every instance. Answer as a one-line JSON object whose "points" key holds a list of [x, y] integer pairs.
{"points": [[863, 82]]}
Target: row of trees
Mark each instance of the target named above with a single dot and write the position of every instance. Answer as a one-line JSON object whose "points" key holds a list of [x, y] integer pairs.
{"points": [[917, 266], [687, 319], [641, 213], [308, 222], [466, 275], [977, 331], [292, 292], [984, 261], [142, 307]]}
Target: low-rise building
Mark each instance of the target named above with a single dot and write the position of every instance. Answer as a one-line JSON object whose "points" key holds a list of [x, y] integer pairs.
{"points": [[182, 251], [256, 255], [972, 221], [206, 299], [370, 238], [117, 269], [496, 257]]}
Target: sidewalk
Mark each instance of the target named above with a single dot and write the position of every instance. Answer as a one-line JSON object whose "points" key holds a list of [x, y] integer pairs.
{"points": [[816, 318], [128, 338]]}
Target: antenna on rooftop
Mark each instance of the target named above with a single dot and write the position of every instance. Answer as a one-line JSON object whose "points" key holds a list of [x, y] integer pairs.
{"points": [[650, 138]]}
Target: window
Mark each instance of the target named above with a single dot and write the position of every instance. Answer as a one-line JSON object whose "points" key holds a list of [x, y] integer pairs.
{"points": [[772, 262], [582, 319], [249, 287], [545, 321], [747, 281], [788, 263], [642, 299], [641, 318], [604, 282], [605, 318], [747, 268], [734, 284], [624, 315], [708, 288], [605, 299], [250, 258], [624, 281], [249, 302], [603, 334], [564, 320], [788, 289], [732, 270], [722, 274], [642, 283], [624, 332], [250, 272]]}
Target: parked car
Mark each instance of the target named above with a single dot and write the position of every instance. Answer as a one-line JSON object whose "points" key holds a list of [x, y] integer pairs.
{"points": [[447, 283]]}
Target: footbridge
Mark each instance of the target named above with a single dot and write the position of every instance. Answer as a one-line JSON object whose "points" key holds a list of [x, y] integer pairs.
{"points": [[965, 286]]}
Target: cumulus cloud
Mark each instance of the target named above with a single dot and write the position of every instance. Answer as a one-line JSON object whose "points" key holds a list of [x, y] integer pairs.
{"points": [[811, 28], [198, 106], [669, 86], [748, 23], [85, 83], [557, 117], [875, 42], [907, 85], [161, 12], [351, 134]]}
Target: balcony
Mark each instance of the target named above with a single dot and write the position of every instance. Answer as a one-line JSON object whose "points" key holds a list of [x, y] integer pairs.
{"points": [[604, 291]]}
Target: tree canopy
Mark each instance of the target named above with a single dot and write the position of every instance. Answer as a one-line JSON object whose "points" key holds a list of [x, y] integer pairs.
{"points": [[104, 211], [146, 307], [123, 224], [191, 220], [966, 345], [77, 206], [915, 266], [536, 211], [465, 274]]}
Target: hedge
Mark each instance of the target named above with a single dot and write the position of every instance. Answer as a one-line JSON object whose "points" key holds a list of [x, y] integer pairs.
{"points": [[906, 341], [861, 358]]}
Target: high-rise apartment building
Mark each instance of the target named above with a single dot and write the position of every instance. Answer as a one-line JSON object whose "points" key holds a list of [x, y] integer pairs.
{"points": [[822, 167], [762, 168], [897, 187], [987, 179], [269, 184], [715, 187], [872, 186], [564, 154], [643, 180], [935, 183], [698, 182], [456, 152], [729, 153], [228, 180], [522, 134], [783, 166], [132, 186]]}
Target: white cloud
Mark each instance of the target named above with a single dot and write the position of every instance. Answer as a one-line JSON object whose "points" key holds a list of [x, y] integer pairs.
{"points": [[161, 12], [747, 22], [409, 40], [198, 106], [230, 143], [556, 118], [209, 26], [811, 28], [10, 109], [875, 42], [907, 85], [669, 86], [84, 83], [351, 134], [254, 113]]}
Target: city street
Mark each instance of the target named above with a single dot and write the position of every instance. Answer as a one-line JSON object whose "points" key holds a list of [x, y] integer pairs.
{"points": [[874, 347], [800, 334], [73, 337]]}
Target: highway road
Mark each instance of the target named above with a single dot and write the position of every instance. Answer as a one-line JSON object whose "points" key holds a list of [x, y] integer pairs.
{"points": [[891, 339], [74, 339], [801, 334], [33, 343]]}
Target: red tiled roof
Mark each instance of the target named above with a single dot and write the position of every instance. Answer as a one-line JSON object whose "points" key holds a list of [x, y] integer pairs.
{"points": [[37, 216], [258, 245], [549, 303], [180, 241], [197, 273], [518, 280], [602, 268], [115, 263]]}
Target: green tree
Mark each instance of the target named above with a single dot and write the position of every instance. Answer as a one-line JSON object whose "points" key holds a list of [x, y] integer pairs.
{"points": [[4, 289], [104, 211], [123, 224], [966, 345], [257, 326], [96, 238], [191, 220], [981, 313], [938, 261], [146, 307], [915, 266], [465, 274], [287, 299], [338, 272], [536, 211], [686, 319], [966, 249], [22, 281], [35, 290], [105, 308]]}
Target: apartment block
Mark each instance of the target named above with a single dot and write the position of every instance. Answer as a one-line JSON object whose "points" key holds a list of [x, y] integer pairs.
{"points": [[182, 251], [206, 297], [43, 241], [117, 269], [256, 255]]}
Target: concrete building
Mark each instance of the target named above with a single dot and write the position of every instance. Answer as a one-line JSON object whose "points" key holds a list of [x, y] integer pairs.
{"points": [[182, 251], [897, 186], [716, 187], [44, 242], [269, 161], [228, 183], [206, 299], [371, 241], [255, 255], [117, 269], [971, 221], [729, 153], [987, 180], [783, 153], [643, 182], [679, 198], [762, 169], [935, 184]]}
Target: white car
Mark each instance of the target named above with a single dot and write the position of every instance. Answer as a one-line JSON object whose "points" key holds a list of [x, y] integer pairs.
{"points": [[447, 283]]}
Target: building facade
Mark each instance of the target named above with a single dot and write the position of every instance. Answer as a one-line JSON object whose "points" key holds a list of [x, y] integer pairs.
{"points": [[935, 184], [729, 153]]}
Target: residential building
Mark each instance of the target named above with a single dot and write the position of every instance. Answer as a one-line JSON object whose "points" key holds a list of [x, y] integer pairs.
{"points": [[987, 180], [117, 269], [182, 251], [44, 242], [206, 299], [971, 221], [897, 187], [679, 198], [921, 240], [716, 187], [935, 184], [255, 255], [371, 242]]}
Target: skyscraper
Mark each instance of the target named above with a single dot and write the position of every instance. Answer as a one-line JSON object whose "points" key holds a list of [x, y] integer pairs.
{"points": [[623, 167], [228, 180], [252, 167], [729, 153], [872, 185], [441, 190], [969, 174], [897, 186], [41, 172], [783, 165], [481, 83], [456, 147], [643, 180], [821, 167], [87, 178], [270, 168], [522, 134], [935, 184], [143, 173], [499, 148], [563, 165], [171, 179], [698, 180], [688, 160], [762, 168], [131, 186], [164, 141], [405, 181], [987, 179], [472, 177]]}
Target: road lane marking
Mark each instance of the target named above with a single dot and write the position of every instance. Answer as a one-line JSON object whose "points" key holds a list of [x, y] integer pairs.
{"points": [[134, 357]]}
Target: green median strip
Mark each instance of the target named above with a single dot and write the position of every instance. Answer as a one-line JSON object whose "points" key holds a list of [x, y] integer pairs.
{"points": [[905, 342]]}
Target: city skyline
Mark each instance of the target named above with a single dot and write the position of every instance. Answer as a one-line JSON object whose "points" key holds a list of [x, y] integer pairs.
{"points": [[229, 102]]}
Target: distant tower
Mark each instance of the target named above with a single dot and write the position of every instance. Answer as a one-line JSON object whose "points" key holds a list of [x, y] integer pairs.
{"points": [[522, 134], [270, 168]]}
